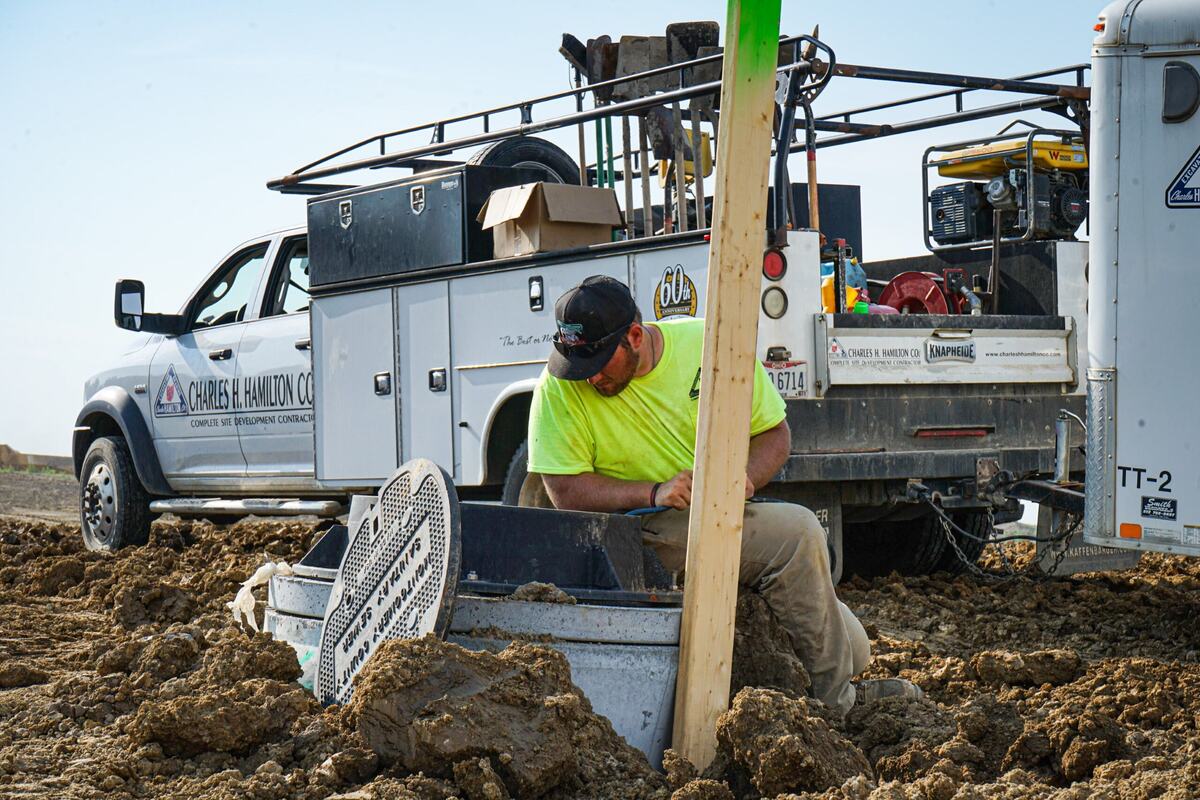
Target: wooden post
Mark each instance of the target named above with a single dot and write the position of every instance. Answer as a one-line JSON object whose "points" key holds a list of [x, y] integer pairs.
{"points": [[726, 382]]}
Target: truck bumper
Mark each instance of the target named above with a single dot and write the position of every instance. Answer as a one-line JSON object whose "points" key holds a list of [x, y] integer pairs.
{"points": [[880, 438]]}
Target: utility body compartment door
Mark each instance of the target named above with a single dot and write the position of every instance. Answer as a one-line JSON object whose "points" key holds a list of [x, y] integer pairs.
{"points": [[423, 373], [355, 394]]}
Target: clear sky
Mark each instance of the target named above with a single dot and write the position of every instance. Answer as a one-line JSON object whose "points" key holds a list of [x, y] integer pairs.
{"points": [[136, 137]]}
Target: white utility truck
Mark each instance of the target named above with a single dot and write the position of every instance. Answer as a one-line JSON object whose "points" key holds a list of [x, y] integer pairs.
{"points": [[312, 362]]}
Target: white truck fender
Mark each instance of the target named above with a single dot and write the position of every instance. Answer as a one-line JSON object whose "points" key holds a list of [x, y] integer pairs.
{"points": [[525, 386]]}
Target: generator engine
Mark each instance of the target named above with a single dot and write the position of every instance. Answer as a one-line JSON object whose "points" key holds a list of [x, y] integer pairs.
{"points": [[1051, 205]]}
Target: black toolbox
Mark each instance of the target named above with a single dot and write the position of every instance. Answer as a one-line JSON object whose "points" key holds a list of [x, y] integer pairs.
{"points": [[423, 221]]}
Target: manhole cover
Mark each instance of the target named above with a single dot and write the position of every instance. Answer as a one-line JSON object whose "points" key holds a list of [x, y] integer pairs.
{"points": [[397, 578]]}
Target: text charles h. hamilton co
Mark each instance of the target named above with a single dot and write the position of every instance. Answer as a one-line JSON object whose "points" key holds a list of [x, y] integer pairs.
{"points": [[273, 398]]}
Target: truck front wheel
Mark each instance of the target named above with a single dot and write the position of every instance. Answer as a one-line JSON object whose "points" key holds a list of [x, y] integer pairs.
{"points": [[114, 509]]}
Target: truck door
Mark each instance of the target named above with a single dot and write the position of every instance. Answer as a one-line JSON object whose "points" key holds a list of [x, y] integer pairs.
{"points": [[192, 375], [274, 384]]}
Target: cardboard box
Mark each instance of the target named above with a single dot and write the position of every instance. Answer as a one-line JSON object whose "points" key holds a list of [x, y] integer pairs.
{"points": [[541, 217]]}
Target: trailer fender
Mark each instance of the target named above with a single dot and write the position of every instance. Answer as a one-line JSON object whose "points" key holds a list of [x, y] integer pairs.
{"points": [[492, 461], [112, 410]]}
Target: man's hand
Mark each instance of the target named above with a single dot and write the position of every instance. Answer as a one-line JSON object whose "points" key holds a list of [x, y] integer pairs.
{"points": [[677, 492], [749, 488]]}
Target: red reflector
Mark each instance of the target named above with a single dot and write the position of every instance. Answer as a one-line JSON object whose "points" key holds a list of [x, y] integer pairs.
{"points": [[949, 433], [774, 264], [708, 237], [1098, 27]]}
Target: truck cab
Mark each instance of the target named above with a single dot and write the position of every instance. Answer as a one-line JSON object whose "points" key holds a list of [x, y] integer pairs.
{"points": [[215, 399]]}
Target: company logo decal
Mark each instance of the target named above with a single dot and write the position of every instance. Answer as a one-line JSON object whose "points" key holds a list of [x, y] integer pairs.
{"points": [[416, 198], [346, 213], [1159, 508], [872, 356], [170, 401], [675, 294], [571, 333], [1182, 192], [940, 350]]}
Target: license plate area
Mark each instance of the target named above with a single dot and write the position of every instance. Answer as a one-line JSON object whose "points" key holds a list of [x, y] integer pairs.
{"points": [[789, 377]]}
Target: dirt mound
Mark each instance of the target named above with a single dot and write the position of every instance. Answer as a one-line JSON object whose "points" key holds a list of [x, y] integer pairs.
{"points": [[121, 675], [430, 706], [538, 592], [39, 492], [785, 746], [762, 651]]}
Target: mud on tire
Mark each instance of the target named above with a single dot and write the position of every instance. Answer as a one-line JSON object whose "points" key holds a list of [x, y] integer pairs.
{"points": [[114, 508]]}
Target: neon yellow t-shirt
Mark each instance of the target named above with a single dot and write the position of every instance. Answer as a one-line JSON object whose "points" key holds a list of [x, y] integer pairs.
{"points": [[645, 433]]}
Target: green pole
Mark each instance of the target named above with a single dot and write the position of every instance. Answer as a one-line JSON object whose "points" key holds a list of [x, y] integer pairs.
{"points": [[599, 154]]}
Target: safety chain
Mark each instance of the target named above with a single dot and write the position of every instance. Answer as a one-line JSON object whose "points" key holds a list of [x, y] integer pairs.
{"points": [[1010, 573]]}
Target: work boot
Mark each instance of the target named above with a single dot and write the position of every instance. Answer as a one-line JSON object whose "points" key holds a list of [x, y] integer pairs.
{"points": [[870, 691]]}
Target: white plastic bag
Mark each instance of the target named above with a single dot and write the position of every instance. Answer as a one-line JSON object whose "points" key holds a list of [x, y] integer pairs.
{"points": [[242, 605]]}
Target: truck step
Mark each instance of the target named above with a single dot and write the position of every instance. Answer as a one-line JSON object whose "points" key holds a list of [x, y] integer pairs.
{"points": [[263, 507]]}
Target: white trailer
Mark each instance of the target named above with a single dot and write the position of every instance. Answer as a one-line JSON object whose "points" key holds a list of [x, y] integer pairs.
{"points": [[1143, 447]]}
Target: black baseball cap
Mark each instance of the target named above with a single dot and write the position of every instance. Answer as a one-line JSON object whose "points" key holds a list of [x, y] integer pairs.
{"points": [[592, 318]]}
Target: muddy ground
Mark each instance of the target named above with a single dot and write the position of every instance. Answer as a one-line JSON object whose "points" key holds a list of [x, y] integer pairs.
{"points": [[122, 676]]}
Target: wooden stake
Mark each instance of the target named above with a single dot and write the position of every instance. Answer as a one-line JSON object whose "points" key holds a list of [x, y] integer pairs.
{"points": [[726, 382]]}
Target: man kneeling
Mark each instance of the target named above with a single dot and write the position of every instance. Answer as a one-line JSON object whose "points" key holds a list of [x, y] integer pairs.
{"points": [[613, 427]]}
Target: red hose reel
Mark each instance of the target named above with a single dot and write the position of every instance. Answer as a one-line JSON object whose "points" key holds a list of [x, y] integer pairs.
{"points": [[915, 293]]}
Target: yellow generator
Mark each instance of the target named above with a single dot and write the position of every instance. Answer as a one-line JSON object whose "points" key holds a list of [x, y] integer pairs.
{"points": [[1010, 189]]}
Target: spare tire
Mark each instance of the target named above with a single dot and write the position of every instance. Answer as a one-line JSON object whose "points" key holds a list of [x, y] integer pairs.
{"points": [[530, 152]]}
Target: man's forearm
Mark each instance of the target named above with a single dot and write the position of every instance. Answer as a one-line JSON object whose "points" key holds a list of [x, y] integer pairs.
{"points": [[589, 491], [768, 453]]}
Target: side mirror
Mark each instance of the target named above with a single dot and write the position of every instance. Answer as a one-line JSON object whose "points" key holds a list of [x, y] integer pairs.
{"points": [[130, 304], [129, 311]]}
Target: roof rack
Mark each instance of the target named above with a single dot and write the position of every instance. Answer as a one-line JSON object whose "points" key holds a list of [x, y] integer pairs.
{"points": [[1069, 100]]}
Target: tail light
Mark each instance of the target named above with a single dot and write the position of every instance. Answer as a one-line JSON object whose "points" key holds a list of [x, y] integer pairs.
{"points": [[774, 264]]}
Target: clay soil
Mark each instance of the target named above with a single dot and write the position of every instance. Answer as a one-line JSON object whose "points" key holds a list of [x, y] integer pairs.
{"points": [[123, 676]]}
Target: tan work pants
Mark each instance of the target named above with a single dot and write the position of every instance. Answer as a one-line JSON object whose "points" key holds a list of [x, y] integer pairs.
{"points": [[784, 558]]}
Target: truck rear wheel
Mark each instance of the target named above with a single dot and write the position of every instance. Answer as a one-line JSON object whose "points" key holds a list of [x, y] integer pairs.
{"points": [[531, 152], [910, 547], [522, 488], [979, 525], [114, 508]]}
